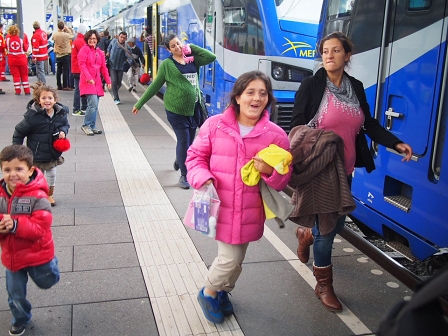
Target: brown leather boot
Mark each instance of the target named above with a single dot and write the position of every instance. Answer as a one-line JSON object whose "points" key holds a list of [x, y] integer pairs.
{"points": [[324, 288], [306, 239], [50, 195]]}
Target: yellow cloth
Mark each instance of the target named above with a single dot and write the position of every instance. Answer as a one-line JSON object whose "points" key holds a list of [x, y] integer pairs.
{"points": [[277, 158]]}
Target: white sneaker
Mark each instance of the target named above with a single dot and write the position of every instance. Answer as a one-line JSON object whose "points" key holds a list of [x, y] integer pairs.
{"points": [[117, 102], [87, 130]]}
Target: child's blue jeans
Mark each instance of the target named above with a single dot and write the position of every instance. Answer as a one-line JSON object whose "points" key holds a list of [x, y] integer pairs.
{"points": [[44, 276]]}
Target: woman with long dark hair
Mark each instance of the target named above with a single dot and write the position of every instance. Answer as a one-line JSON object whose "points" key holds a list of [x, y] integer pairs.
{"points": [[334, 101], [182, 96]]}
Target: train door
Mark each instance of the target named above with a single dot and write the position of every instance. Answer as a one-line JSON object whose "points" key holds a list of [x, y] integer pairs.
{"points": [[405, 195], [210, 37], [414, 65]]}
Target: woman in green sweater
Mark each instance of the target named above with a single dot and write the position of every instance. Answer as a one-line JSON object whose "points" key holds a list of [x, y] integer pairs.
{"points": [[182, 96]]}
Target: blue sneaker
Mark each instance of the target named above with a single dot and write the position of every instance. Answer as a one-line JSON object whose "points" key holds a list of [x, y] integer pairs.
{"points": [[210, 307], [225, 304], [183, 183]]}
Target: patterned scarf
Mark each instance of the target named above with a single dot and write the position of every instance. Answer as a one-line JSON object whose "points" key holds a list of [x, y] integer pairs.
{"points": [[345, 92]]}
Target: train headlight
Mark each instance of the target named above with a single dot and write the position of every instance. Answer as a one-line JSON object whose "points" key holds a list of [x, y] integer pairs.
{"points": [[289, 73], [277, 72]]}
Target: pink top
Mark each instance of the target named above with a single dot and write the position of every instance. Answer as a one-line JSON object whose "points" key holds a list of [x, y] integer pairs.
{"points": [[343, 119]]}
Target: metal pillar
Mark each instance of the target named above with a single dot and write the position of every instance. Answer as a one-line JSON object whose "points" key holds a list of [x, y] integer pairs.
{"points": [[20, 18]]}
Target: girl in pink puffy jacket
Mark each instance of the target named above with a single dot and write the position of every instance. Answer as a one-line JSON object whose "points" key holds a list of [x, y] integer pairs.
{"points": [[226, 142]]}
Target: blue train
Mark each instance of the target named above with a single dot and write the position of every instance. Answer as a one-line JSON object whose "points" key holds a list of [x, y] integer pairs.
{"points": [[277, 37], [401, 57]]}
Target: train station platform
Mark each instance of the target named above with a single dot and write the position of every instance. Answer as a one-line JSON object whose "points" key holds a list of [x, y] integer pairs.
{"points": [[130, 267]]}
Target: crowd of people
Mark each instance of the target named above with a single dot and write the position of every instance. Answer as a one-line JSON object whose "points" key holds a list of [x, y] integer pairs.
{"points": [[329, 105]]}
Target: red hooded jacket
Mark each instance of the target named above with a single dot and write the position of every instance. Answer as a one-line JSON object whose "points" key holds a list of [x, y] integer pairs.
{"points": [[78, 43], [32, 244]]}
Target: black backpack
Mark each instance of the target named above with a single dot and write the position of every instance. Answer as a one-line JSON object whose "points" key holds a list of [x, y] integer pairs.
{"points": [[423, 314]]}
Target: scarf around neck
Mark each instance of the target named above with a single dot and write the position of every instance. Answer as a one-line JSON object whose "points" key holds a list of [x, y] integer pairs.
{"points": [[345, 92]]}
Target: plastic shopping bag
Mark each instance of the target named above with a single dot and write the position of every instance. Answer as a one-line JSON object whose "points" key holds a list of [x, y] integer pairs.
{"points": [[203, 210]]}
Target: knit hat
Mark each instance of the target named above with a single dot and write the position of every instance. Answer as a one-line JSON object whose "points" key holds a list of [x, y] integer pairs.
{"points": [[36, 25], [131, 39], [82, 28]]}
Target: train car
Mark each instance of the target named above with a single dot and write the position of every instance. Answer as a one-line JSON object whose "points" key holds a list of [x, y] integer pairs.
{"points": [[277, 37], [401, 57]]}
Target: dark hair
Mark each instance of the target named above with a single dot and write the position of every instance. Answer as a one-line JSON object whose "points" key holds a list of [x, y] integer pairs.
{"points": [[90, 33], [61, 25], [40, 87], [106, 33], [243, 81], [345, 41], [168, 39], [1, 25], [123, 33], [148, 30], [19, 152]]}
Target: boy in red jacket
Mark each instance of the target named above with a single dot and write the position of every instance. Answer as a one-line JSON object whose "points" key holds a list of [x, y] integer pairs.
{"points": [[25, 232]]}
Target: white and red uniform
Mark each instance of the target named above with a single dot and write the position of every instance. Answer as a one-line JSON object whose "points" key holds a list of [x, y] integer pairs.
{"points": [[39, 44], [18, 61], [2, 57]]}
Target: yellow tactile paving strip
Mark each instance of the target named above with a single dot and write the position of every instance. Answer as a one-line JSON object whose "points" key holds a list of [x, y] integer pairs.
{"points": [[172, 267]]}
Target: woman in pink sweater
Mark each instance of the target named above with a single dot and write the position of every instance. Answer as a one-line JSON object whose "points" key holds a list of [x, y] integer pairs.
{"points": [[226, 142]]}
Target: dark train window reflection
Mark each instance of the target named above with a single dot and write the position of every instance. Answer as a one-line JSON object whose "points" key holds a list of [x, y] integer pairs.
{"points": [[243, 31]]}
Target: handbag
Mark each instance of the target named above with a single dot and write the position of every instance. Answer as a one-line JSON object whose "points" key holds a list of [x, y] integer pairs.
{"points": [[203, 112], [126, 66], [145, 78], [203, 210]]}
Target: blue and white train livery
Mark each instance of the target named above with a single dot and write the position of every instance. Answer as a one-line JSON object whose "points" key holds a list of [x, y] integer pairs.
{"points": [[277, 37], [401, 57]]}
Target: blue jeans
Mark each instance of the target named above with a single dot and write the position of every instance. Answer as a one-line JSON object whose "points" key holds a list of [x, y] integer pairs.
{"points": [[185, 129], [44, 276], [116, 76], [77, 97], [92, 110], [323, 245], [40, 71]]}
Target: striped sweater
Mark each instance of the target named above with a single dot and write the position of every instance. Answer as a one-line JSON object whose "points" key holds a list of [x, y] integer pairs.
{"points": [[318, 179]]}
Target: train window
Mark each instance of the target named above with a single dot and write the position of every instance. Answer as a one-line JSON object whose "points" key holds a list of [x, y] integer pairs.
{"points": [[172, 23], [246, 38], [339, 8], [338, 16], [418, 5], [235, 16]]}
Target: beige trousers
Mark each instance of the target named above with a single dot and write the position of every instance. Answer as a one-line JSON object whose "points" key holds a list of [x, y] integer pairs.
{"points": [[226, 268]]}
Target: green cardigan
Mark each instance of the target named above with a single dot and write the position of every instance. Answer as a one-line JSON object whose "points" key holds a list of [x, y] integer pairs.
{"points": [[180, 95]]}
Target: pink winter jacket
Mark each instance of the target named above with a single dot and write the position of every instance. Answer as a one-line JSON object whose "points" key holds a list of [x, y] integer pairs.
{"points": [[219, 153], [92, 63]]}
